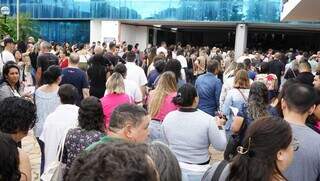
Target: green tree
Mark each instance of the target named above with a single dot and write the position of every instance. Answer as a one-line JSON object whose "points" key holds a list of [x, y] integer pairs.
{"points": [[27, 27]]}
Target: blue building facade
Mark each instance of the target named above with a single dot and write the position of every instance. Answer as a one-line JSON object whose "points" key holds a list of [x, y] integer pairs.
{"points": [[69, 20]]}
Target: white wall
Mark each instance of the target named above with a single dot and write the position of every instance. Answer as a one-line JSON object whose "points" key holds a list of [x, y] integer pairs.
{"points": [[108, 30], [134, 34], [95, 31], [241, 40]]}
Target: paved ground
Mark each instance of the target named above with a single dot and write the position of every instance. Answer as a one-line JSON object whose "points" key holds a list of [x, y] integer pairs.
{"points": [[215, 155]]}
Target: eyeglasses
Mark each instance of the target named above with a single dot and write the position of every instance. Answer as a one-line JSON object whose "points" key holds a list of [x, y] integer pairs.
{"points": [[295, 144]]}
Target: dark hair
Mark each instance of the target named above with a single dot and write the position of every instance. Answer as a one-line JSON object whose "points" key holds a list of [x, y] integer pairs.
{"points": [[258, 100], [68, 94], [9, 160], [264, 68], [212, 65], [116, 160], [180, 51], [80, 46], [112, 45], [52, 74], [130, 47], [247, 63], [175, 67], [282, 92], [127, 112], [165, 161], [300, 97], [131, 56], [17, 114], [264, 138], [91, 114], [185, 95], [6, 69], [160, 66], [136, 45], [121, 69]]}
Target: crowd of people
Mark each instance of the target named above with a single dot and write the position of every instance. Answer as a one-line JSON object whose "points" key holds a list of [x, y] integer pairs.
{"points": [[108, 111]]}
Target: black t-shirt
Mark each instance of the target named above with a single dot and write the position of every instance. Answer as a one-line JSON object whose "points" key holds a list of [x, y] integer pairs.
{"points": [[33, 58], [44, 61], [77, 78], [276, 67], [306, 78]]}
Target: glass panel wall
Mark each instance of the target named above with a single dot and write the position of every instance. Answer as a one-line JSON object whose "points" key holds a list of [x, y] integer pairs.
{"points": [[191, 10]]}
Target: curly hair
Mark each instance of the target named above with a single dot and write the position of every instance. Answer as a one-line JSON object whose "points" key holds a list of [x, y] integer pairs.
{"points": [[117, 160], [258, 100], [17, 114], [9, 160], [91, 114]]}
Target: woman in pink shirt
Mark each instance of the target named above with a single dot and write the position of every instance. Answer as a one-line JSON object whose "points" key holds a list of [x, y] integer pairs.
{"points": [[160, 102], [115, 96]]}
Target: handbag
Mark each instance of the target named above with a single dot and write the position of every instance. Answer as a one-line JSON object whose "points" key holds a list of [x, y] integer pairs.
{"points": [[235, 140], [56, 169]]}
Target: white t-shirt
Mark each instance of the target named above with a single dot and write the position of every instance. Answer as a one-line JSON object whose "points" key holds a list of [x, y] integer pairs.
{"points": [[55, 128], [136, 74], [162, 49], [133, 90], [183, 61], [6, 56]]}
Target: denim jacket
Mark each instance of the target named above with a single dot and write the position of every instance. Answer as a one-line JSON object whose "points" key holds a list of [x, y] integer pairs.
{"points": [[209, 88]]}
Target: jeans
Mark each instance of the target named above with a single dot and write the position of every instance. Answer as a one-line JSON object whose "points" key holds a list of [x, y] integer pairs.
{"points": [[155, 131], [194, 172]]}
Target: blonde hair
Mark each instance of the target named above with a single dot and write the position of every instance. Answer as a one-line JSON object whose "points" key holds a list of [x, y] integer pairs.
{"points": [[241, 80], [115, 84], [166, 85]]}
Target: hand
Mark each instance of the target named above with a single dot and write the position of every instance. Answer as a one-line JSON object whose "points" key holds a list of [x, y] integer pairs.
{"points": [[220, 121]]}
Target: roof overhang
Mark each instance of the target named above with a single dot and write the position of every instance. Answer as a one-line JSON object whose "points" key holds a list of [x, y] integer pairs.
{"points": [[301, 10]]}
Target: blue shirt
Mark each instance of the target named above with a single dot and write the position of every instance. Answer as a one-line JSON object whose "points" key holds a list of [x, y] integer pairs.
{"points": [[209, 88], [152, 77], [77, 78]]}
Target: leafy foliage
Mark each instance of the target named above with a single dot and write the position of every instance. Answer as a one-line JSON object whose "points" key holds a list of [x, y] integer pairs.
{"points": [[27, 27]]}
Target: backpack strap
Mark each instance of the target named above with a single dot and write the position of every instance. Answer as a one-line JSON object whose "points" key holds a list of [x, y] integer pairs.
{"points": [[219, 170]]}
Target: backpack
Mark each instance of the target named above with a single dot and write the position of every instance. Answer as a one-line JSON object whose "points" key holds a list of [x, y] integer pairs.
{"points": [[217, 172]]}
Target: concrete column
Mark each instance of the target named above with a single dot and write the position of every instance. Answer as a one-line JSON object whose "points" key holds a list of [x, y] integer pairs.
{"points": [[95, 31], [155, 32], [241, 40]]}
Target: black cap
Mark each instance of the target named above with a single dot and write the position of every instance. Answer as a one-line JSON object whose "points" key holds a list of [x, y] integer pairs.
{"points": [[7, 40]]}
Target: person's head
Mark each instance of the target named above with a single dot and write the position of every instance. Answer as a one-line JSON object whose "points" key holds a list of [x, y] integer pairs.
{"points": [[167, 84], [52, 74], [304, 67], [113, 161], [180, 51], [241, 80], [277, 56], [213, 66], [17, 55], [17, 117], [247, 63], [165, 161], [130, 47], [9, 44], [45, 47], [299, 98], [239, 66], [91, 114], [130, 122], [115, 84], [112, 46], [316, 82], [186, 96], [11, 73], [131, 56], [264, 68], [63, 53], [121, 69], [164, 44], [9, 160], [266, 152], [98, 50], [136, 46], [175, 67], [74, 59], [68, 94], [160, 66], [258, 100]]}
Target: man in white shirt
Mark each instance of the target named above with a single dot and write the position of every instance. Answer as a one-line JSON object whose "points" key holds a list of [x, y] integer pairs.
{"points": [[163, 49], [131, 87], [6, 54], [136, 73], [59, 122], [183, 62]]}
